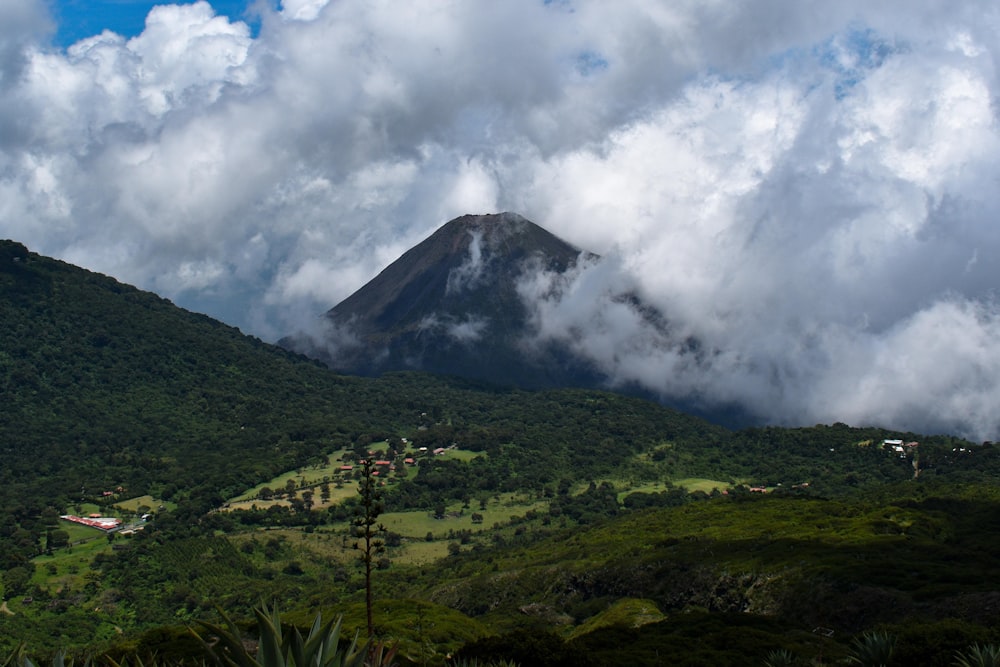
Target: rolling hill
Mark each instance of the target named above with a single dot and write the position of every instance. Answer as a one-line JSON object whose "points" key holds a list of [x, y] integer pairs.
{"points": [[594, 548]]}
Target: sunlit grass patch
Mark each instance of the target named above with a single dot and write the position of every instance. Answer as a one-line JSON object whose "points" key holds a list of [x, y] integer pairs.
{"points": [[420, 552], [627, 612], [67, 567], [153, 504], [701, 484]]}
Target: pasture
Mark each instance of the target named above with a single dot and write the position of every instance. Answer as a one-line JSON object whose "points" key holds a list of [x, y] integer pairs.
{"points": [[151, 504], [691, 484], [65, 568]]}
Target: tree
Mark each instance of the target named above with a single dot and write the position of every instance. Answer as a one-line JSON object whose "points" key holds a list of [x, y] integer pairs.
{"points": [[15, 580], [57, 539], [368, 531]]}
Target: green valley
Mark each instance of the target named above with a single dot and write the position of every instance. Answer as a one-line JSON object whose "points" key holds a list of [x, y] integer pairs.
{"points": [[551, 527]]}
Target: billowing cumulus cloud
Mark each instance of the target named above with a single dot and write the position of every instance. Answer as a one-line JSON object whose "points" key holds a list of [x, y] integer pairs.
{"points": [[806, 191]]}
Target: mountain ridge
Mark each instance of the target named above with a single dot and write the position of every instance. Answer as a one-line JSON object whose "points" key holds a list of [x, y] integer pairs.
{"points": [[450, 305], [105, 385], [447, 244]]}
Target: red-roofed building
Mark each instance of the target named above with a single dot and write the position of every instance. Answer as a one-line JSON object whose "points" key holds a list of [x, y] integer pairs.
{"points": [[94, 521]]}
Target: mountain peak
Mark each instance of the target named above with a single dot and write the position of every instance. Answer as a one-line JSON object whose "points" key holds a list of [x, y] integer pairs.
{"points": [[451, 305], [488, 221], [495, 225], [464, 255]]}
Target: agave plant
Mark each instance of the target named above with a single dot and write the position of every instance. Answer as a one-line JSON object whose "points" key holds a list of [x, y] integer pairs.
{"points": [[381, 654], [780, 658], [872, 649], [14, 658], [278, 647], [19, 658], [987, 655]]}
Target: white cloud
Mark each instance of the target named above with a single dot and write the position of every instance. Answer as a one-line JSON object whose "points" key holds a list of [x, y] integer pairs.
{"points": [[302, 10], [471, 271], [465, 331], [808, 189]]}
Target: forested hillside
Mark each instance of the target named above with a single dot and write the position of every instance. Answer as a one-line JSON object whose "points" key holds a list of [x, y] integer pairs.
{"points": [[570, 524], [105, 386]]}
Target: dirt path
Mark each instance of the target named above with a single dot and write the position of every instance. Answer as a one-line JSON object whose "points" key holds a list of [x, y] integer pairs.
{"points": [[5, 609]]}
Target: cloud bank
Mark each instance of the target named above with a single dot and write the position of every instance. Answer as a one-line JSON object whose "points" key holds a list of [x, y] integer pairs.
{"points": [[808, 189]]}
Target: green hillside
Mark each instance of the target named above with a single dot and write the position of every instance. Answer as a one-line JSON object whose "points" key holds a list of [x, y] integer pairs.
{"points": [[739, 578], [105, 386], [567, 523]]}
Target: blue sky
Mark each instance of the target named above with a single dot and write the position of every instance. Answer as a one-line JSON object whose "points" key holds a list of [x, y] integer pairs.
{"points": [[77, 19]]}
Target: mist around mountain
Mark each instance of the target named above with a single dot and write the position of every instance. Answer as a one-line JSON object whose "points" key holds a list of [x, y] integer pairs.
{"points": [[453, 305], [479, 299], [551, 527]]}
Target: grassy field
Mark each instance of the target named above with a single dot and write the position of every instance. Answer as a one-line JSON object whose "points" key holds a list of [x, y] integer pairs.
{"points": [[83, 509], [624, 487], [132, 505], [65, 568], [460, 454], [498, 509], [420, 552], [313, 476], [700, 484], [649, 487], [333, 543]]}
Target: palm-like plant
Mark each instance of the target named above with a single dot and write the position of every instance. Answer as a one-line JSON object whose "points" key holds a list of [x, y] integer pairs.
{"points": [[19, 658], [872, 649], [987, 655], [15, 658], [780, 658], [278, 647]]}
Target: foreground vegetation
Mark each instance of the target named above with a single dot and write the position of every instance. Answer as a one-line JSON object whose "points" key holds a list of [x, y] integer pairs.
{"points": [[558, 527], [710, 581]]}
